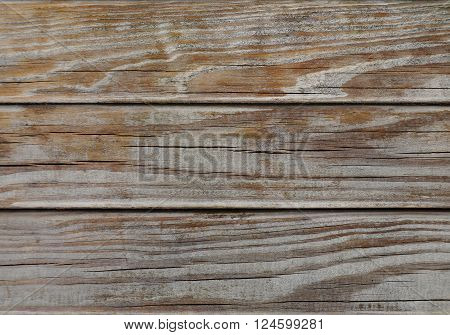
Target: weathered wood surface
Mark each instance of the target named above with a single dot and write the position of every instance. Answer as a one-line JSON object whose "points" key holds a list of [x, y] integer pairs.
{"points": [[216, 262], [178, 51], [212, 156], [383, 150]]}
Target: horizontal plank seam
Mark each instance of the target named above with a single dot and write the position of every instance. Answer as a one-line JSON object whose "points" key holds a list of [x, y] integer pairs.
{"points": [[230, 210], [220, 103]]}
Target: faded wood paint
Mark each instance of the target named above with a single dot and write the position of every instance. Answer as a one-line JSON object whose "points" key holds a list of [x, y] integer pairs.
{"points": [[211, 51]]}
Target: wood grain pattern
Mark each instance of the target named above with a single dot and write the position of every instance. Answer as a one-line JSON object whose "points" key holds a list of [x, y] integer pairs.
{"points": [[225, 262], [117, 106], [211, 51], [213, 156]]}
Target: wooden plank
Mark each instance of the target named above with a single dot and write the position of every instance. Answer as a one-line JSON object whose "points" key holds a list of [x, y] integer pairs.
{"points": [[211, 51], [215, 156], [218, 262]]}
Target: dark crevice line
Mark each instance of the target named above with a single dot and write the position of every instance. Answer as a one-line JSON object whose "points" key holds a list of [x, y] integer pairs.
{"points": [[261, 304], [184, 102], [358, 301], [249, 210]]}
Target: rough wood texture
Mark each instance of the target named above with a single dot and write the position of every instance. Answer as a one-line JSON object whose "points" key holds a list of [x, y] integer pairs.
{"points": [[370, 128], [251, 262], [224, 156], [159, 51]]}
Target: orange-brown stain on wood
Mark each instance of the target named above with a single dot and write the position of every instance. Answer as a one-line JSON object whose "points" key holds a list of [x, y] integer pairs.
{"points": [[251, 186], [355, 117]]}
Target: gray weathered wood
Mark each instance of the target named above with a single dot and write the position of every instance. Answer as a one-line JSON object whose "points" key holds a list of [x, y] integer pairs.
{"points": [[179, 51], [216, 156], [216, 262], [129, 156]]}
